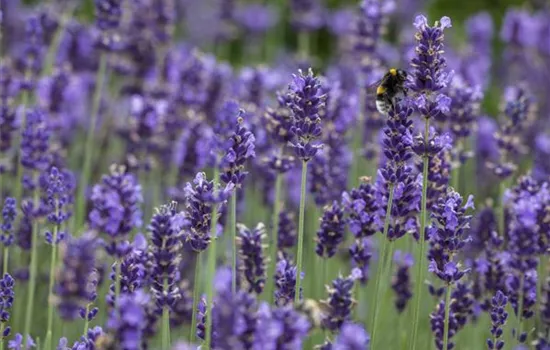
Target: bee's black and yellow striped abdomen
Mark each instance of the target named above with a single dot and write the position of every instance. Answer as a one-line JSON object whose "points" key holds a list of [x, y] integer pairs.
{"points": [[389, 87]]}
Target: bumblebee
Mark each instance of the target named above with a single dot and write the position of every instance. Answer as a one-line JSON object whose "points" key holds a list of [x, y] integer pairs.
{"points": [[391, 85]]}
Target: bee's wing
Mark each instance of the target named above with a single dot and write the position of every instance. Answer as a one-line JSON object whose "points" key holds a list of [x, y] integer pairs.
{"points": [[370, 90]]}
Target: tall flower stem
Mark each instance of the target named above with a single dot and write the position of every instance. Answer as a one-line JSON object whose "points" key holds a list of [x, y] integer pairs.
{"points": [[301, 233], [520, 307], [86, 167], [53, 261], [233, 232], [273, 246], [6, 253], [356, 144], [211, 265], [86, 321], [19, 172], [33, 268], [196, 289], [501, 208], [381, 266], [447, 312], [117, 279], [420, 259], [303, 44], [165, 341]]}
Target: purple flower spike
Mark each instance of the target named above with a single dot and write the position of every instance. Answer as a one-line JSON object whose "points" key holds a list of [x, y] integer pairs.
{"points": [[401, 283], [72, 287], [307, 15], [201, 195], [287, 234], [116, 209], [285, 283], [339, 303], [240, 150], [7, 295], [361, 252], [125, 322], [362, 208], [281, 328], [8, 116], [108, 17], [448, 235], [9, 213], [331, 232], [498, 319], [58, 186], [19, 344], [251, 253], [165, 249], [429, 64], [306, 101], [351, 337], [35, 142]]}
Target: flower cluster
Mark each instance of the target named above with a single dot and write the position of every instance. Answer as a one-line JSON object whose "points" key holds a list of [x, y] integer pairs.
{"points": [[201, 196], [306, 101], [498, 319], [448, 235], [251, 253], [165, 251], [240, 150], [9, 213], [401, 283], [72, 278], [116, 209], [331, 232], [339, 303]]}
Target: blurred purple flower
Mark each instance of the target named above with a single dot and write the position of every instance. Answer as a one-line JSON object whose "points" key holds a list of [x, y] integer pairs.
{"points": [[339, 303], [116, 202], [331, 233], [280, 328], [252, 256], [351, 337], [401, 283], [78, 265], [125, 322], [9, 213], [361, 252]]}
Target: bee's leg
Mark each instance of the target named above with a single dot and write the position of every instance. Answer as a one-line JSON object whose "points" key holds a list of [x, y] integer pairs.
{"points": [[389, 101]]}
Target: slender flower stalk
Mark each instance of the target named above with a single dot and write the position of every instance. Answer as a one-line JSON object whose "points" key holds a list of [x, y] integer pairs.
{"points": [[57, 194], [9, 214], [301, 218], [381, 265], [196, 291], [429, 78], [87, 162], [211, 267], [446, 321], [306, 101]]}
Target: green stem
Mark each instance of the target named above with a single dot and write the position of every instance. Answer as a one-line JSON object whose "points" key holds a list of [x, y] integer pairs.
{"points": [[196, 289], [211, 265], [50, 290], [165, 322], [19, 172], [117, 280], [54, 46], [447, 312], [273, 244], [520, 306], [301, 233], [233, 231], [303, 44], [86, 322], [420, 258], [501, 209], [6, 260], [86, 167], [381, 266], [33, 269], [356, 144]]}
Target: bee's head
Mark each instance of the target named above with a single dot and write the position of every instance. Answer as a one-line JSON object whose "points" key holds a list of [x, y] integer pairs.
{"points": [[399, 74]]}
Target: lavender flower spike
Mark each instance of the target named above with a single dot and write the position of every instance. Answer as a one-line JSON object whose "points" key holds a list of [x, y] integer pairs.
{"points": [[339, 303], [9, 213], [285, 282], [306, 100], [351, 337], [498, 318], [7, 296], [240, 150], [251, 252], [331, 232]]}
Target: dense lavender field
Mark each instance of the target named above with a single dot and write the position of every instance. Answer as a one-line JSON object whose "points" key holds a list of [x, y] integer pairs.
{"points": [[195, 174]]}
